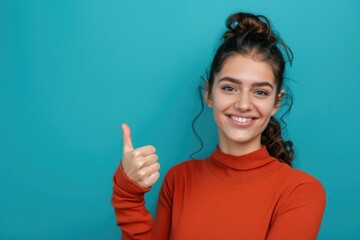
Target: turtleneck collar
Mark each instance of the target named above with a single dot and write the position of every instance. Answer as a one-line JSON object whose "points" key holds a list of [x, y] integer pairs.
{"points": [[247, 161], [229, 169]]}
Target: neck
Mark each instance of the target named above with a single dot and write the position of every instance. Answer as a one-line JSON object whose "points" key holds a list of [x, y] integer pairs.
{"points": [[236, 148]]}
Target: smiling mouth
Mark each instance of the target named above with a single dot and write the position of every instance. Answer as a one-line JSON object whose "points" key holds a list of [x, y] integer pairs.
{"points": [[240, 119]]}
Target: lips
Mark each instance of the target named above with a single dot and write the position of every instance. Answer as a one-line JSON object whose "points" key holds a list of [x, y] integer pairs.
{"points": [[242, 120]]}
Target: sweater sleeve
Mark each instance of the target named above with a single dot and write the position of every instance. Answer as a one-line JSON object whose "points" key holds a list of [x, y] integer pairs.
{"points": [[131, 215], [299, 216], [164, 212]]}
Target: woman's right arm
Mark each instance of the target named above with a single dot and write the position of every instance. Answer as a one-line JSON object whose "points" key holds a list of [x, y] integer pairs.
{"points": [[137, 172]]}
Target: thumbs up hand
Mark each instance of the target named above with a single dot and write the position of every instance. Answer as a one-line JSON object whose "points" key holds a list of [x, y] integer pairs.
{"points": [[140, 164]]}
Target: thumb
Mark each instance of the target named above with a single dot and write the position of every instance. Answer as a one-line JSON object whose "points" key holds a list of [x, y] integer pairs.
{"points": [[128, 146]]}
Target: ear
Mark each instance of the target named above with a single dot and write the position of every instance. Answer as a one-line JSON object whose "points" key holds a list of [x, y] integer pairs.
{"points": [[278, 99], [207, 96]]}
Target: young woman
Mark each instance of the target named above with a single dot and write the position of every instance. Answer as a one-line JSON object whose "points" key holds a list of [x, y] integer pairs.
{"points": [[247, 188]]}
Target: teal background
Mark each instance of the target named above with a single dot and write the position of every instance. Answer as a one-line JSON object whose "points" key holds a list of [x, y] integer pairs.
{"points": [[72, 71]]}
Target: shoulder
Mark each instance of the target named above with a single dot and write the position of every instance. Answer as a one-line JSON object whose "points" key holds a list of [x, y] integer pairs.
{"points": [[297, 177], [185, 173], [300, 206], [179, 177], [300, 184], [183, 169]]}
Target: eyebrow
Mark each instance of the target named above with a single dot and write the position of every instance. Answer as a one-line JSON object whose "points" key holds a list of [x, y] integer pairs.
{"points": [[255, 84]]}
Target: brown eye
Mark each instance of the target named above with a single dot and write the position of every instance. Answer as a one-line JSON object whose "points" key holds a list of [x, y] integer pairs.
{"points": [[228, 88], [261, 93]]}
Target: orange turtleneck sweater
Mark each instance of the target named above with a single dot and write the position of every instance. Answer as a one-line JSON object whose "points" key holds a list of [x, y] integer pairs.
{"points": [[253, 196]]}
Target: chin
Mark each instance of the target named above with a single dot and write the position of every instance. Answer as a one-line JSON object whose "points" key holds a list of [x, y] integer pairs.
{"points": [[243, 140]]}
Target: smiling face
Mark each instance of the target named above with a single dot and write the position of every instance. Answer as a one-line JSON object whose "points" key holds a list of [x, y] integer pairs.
{"points": [[243, 98]]}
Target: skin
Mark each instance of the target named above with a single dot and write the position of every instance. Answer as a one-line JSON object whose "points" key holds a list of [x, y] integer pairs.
{"points": [[243, 88], [140, 164]]}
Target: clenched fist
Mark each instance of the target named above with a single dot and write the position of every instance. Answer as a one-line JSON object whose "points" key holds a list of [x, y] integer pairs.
{"points": [[140, 164]]}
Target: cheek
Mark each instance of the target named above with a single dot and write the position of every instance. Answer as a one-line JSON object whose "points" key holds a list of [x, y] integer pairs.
{"points": [[266, 108], [220, 108], [222, 105]]}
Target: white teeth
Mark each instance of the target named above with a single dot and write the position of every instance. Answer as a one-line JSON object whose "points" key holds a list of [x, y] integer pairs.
{"points": [[240, 119]]}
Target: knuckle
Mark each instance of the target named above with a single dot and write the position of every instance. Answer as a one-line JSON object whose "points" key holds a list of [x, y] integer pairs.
{"points": [[141, 174], [138, 164], [152, 158], [136, 153]]}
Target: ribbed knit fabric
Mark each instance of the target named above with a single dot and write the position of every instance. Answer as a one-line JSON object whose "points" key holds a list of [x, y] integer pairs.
{"points": [[253, 196], [228, 169]]}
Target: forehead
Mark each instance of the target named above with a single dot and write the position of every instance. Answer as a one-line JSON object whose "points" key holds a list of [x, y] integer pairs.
{"points": [[247, 69]]}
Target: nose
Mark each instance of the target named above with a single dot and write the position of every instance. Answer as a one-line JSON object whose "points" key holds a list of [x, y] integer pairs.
{"points": [[243, 103]]}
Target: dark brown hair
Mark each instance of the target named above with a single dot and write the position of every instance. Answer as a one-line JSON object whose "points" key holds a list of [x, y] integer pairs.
{"points": [[251, 35]]}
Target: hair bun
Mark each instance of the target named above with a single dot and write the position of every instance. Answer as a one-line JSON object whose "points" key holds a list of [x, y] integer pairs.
{"points": [[240, 24]]}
